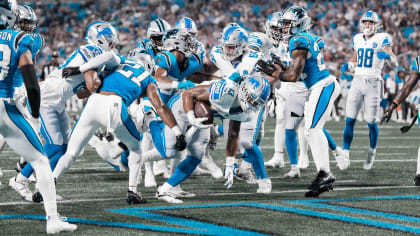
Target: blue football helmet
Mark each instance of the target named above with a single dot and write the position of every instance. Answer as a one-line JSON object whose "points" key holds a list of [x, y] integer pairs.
{"points": [[103, 34], [8, 11], [27, 19], [143, 58], [259, 42], [234, 42], [254, 92], [372, 17], [294, 20], [273, 27], [155, 32]]}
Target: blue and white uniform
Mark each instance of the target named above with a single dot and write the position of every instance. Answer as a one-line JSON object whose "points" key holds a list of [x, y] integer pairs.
{"points": [[146, 46], [323, 90], [129, 81], [176, 72]]}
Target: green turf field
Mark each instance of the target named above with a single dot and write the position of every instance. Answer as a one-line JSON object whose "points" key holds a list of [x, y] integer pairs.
{"points": [[381, 201]]}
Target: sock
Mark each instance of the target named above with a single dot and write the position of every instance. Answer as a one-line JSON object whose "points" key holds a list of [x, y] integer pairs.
{"points": [[257, 161], [220, 130], [319, 147], [124, 157], [134, 165], [279, 136], [157, 130], [46, 184], [330, 140], [348, 133], [291, 146], [373, 134], [303, 143], [184, 170]]}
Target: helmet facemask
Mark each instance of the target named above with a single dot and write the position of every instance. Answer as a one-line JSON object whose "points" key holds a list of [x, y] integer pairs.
{"points": [[369, 23], [253, 93]]}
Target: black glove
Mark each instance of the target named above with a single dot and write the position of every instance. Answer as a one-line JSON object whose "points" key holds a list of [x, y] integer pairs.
{"points": [[265, 67], [109, 137], [70, 71], [277, 61], [388, 113], [180, 142]]}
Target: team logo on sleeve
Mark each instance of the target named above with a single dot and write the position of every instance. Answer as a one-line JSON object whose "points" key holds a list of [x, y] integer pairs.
{"points": [[374, 45]]}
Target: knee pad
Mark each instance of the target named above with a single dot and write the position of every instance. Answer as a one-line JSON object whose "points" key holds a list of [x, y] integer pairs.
{"points": [[197, 150], [370, 119]]}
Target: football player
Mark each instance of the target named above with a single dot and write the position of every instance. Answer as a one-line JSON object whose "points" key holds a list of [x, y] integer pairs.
{"points": [[108, 108], [371, 48], [308, 63], [17, 125], [400, 97]]}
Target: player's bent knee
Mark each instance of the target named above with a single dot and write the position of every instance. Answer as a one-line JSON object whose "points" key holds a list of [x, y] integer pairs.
{"points": [[247, 142]]}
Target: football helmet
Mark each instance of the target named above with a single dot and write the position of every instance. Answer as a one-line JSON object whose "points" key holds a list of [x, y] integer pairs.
{"points": [[180, 40], [188, 25], [102, 34], [234, 42], [259, 42], [143, 58], [8, 11], [253, 93], [27, 19], [294, 20], [155, 32], [273, 27], [372, 17]]}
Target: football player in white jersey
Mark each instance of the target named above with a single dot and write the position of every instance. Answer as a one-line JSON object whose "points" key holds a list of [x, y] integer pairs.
{"points": [[371, 48]]}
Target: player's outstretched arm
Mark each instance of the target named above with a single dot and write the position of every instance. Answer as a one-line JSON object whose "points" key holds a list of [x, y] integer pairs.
{"points": [[161, 77], [389, 54], [402, 95], [27, 70]]}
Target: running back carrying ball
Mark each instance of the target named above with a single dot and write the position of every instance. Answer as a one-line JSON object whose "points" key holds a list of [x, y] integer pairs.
{"points": [[202, 109]]}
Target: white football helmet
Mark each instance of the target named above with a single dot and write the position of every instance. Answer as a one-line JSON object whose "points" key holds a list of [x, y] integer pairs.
{"points": [[259, 42], [188, 25], [8, 11], [254, 92], [372, 17], [102, 34], [180, 40], [26, 18], [234, 42], [273, 27], [143, 58], [294, 20], [155, 32]]}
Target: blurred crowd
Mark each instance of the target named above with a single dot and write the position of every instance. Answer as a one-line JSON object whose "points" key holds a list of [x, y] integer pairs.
{"points": [[64, 24]]}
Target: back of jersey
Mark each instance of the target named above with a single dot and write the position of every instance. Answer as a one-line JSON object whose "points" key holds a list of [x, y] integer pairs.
{"points": [[12, 45], [314, 69], [368, 64], [129, 81]]}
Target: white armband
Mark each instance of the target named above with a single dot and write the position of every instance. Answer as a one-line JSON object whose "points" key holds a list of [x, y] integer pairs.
{"points": [[108, 58], [176, 130]]}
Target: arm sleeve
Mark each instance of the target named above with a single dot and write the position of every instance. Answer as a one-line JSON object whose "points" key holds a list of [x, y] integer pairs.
{"points": [[32, 88], [107, 58]]}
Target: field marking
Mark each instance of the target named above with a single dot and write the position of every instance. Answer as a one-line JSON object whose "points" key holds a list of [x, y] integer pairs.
{"points": [[15, 203]]}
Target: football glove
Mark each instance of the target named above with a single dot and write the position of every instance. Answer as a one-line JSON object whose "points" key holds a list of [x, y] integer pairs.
{"points": [[344, 68], [70, 71], [197, 122], [235, 77], [265, 67], [185, 84], [388, 113], [383, 55], [230, 171], [180, 144], [277, 61]]}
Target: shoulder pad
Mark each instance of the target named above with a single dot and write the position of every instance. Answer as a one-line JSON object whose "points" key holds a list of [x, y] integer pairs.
{"points": [[299, 42], [23, 41], [89, 51], [416, 64], [163, 60], [386, 40], [222, 95]]}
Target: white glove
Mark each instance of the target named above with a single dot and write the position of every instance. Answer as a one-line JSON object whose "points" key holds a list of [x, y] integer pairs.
{"points": [[197, 122], [229, 171]]}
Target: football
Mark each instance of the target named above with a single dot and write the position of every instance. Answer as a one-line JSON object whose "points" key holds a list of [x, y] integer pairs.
{"points": [[202, 109]]}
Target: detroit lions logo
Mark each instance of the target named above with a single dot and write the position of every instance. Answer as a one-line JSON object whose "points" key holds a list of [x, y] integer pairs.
{"points": [[374, 45]]}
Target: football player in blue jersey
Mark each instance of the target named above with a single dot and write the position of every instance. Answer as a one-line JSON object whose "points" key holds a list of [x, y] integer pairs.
{"points": [[371, 48], [155, 32], [108, 108], [17, 125], [308, 64], [409, 85]]}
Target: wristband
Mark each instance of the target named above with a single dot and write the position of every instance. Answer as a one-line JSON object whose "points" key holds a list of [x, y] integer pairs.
{"points": [[175, 84], [230, 161], [176, 130], [281, 77], [190, 115]]}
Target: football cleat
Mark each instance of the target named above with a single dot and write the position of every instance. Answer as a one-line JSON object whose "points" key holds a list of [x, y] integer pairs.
{"points": [[264, 186], [56, 225], [342, 157], [21, 188], [323, 182], [293, 173], [135, 198], [167, 196], [276, 161], [179, 192], [371, 158], [417, 180], [209, 164], [245, 173]]}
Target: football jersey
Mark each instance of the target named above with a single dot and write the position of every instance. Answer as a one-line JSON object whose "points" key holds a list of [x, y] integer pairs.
{"points": [[224, 100], [416, 64], [146, 46], [314, 69], [56, 90], [368, 63], [226, 67], [12, 45], [129, 81]]}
